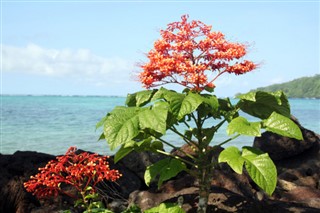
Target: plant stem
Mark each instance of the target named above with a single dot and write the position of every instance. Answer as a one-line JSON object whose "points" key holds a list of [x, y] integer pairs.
{"points": [[189, 142], [176, 157], [228, 140], [174, 147], [204, 174]]}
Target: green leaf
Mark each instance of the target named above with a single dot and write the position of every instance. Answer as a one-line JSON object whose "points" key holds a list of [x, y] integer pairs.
{"points": [[140, 98], [242, 126], [226, 109], [101, 122], [232, 156], [78, 202], [125, 123], [211, 100], [98, 210], [180, 104], [282, 125], [262, 104], [209, 89], [91, 196], [172, 97], [251, 151], [165, 208], [261, 169], [144, 145], [122, 125], [101, 137], [209, 133], [165, 169], [155, 118], [259, 166], [209, 106], [189, 104]]}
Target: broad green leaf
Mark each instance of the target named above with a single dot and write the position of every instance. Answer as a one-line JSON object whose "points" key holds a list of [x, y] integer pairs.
{"points": [[211, 100], [125, 123], [261, 169], [232, 156], [189, 104], [180, 104], [139, 98], [165, 208], [242, 126], [156, 145], [250, 96], [155, 118], [226, 109], [282, 125], [166, 169], [209, 106], [262, 104], [172, 97], [144, 145], [122, 125], [148, 145], [248, 151], [101, 122]]}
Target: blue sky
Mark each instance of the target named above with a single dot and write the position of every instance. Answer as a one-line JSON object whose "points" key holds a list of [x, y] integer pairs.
{"points": [[93, 47]]}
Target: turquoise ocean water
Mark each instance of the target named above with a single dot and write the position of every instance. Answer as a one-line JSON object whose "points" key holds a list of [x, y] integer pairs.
{"points": [[51, 124]]}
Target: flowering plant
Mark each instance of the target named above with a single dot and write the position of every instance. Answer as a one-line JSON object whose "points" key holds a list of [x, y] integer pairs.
{"points": [[82, 171], [191, 55], [188, 53]]}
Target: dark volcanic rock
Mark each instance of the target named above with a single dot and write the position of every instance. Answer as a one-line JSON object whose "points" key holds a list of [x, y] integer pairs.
{"points": [[16, 169]]}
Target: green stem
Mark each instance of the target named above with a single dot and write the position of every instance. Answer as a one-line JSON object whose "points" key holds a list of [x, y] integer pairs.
{"points": [[174, 147], [189, 142], [204, 172], [230, 139], [219, 125], [186, 124], [165, 142], [176, 157]]}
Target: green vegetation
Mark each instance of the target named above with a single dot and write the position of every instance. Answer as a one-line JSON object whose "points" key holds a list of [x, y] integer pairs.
{"points": [[305, 87]]}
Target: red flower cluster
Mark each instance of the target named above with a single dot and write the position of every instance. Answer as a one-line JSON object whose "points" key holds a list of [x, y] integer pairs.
{"points": [[188, 52], [78, 170]]}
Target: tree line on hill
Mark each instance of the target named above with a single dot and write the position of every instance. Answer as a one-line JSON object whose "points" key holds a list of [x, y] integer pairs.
{"points": [[305, 87]]}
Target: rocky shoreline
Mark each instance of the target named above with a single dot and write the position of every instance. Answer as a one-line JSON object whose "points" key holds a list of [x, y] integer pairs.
{"points": [[298, 187]]}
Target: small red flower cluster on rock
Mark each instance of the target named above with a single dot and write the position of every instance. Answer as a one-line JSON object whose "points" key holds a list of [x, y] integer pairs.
{"points": [[78, 170], [188, 52]]}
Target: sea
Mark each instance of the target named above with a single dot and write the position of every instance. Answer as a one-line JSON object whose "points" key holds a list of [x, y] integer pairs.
{"points": [[51, 124]]}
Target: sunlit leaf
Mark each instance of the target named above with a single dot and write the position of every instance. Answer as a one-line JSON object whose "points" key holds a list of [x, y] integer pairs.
{"points": [[282, 125], [232, 156], [164, 169], [242, 126], [261, 169]]}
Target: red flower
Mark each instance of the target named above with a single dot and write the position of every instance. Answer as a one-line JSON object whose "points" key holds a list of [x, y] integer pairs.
{"points": [[78, 170], [188, 52]]}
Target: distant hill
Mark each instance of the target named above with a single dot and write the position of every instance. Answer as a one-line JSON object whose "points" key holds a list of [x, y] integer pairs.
{"points": [[305, 87]]}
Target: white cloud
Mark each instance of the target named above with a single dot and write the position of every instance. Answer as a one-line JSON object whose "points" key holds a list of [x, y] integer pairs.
{"points": [[80, 64]]}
